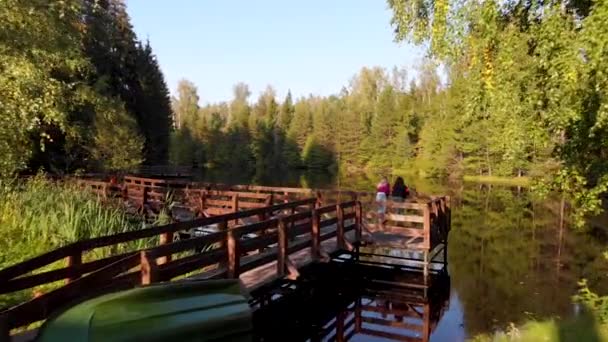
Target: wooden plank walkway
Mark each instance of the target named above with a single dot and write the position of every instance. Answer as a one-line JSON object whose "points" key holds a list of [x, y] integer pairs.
{"points": [[265, 274]]}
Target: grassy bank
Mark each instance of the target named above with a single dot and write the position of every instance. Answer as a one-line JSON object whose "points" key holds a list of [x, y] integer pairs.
{"points": [[37, 216], [583, 328], [509, 181]]}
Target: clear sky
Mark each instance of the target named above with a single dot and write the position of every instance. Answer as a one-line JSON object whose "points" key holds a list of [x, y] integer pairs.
{"points": [[308, 46]]}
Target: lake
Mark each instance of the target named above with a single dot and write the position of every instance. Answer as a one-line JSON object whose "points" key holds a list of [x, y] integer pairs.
{"points": [[511, 256]]}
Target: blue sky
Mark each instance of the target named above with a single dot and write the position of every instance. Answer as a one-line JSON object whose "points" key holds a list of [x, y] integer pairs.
{"points": [[310, 47]]}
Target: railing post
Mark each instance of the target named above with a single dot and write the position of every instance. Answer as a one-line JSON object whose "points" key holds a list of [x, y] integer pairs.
{"points": [[427, 225], [292, 224], [282, 251], [359, 223], [234, 254], [202, 203], [165, 238], [74, 260], [235, 206], [223, 227], [5, 330], [448, 204], [235, 203], [340, 227], [144, 197], [315, 235], [125, 192], [149, 270], [340, 327], [319, 199]]}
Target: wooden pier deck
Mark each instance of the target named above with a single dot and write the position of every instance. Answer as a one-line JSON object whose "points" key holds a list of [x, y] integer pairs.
{"points": [[260, 237]]}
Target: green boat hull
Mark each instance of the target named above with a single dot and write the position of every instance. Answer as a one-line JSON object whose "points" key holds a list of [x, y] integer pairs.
{"points": [[180, 311]]}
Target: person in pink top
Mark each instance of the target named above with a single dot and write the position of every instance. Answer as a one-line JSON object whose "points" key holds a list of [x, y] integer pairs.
{"points": [[383, 190]]}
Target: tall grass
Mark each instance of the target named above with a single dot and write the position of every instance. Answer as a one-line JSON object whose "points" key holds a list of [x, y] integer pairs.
{"points": [[39, 215]]}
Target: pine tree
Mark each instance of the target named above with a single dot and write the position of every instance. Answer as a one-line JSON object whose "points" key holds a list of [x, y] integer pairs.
{"points": [[384, 130], [286, 113], [155, 102], [301, 124]]}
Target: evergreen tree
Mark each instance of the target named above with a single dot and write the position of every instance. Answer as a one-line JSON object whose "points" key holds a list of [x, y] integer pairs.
{"points": [[384, 130], [315, 156], [301, 124], [286, 112], [156, 104], [128, 70]]}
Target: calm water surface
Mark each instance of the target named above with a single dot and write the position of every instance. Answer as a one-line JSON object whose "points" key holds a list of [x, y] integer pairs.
{"points": [[511, 257]]}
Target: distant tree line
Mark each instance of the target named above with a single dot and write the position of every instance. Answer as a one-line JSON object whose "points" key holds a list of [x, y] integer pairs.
{"points": [[78, 89], [383, 120]]}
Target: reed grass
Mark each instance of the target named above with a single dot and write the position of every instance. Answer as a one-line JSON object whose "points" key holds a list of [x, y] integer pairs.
{"points": [[39, 215]]}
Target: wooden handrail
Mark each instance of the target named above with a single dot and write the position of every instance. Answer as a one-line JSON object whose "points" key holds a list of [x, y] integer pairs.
{"points": [[84, 245]]}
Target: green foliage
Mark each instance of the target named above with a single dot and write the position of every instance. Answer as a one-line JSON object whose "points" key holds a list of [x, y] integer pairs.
{"points": [[597, 304], [117, 144], [532, 83], [69, 69], [37, 89], [315, 156]]}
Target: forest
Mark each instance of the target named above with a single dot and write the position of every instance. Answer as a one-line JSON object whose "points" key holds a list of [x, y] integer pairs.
{"points": [[508, 89]]}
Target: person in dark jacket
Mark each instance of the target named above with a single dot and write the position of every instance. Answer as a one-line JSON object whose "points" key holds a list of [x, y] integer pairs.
{"points": [[400, 190]]}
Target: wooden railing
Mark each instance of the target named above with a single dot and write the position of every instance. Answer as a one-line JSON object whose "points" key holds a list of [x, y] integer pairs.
{"points": [[423, 221], [421, 225], [287, 194], [229, 250], [16, 277]]}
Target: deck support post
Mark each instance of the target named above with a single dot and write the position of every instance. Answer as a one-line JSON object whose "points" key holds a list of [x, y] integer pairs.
{"points": [[282, 249], [74, 260]]}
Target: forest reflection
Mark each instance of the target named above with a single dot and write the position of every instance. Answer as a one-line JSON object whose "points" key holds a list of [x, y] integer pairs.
{"points": [[512, 256]]}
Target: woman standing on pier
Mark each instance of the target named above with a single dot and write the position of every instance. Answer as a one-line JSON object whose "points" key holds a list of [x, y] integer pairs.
{"points": [[383, 190], [400, 190]]}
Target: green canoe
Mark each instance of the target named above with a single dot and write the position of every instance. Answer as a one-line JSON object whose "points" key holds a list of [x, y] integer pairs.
{"points": [[182, 311]]}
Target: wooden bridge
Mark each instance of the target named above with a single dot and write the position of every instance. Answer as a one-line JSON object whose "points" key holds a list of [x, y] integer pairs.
{"points": [[262, 235]]}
